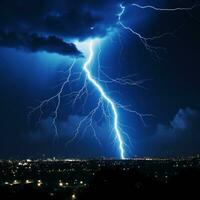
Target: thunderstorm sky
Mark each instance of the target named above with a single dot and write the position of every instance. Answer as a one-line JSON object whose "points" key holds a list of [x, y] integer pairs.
{"points": [[40, 39]]}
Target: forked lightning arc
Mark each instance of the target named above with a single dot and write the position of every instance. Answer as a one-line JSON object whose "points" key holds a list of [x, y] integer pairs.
{"points": [[105, 104]]}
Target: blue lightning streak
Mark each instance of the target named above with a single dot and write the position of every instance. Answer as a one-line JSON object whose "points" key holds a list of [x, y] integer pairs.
{"points": [[165, 9], [110, 112], [142, 38], [106, 98], [58, 98], [145, 40]]}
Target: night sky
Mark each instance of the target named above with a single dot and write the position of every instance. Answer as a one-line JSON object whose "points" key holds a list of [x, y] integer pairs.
{"points": [[38, 41]]}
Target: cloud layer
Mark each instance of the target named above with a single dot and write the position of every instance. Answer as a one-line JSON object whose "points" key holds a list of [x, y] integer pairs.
{"points": [[180, 137], [61, 18], [84, 145], [34, 43]]}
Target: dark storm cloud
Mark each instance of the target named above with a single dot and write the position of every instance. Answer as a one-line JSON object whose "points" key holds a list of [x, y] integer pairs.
{"points": [[180, 137], [62, 18], [34, 42], [74, 19]]}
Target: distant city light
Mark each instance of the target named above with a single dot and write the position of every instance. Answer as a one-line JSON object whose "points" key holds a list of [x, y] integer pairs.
{"points": [[86, 170], [73, 196], [28, 181], [60, 184], [15, 182], [39, 184]]}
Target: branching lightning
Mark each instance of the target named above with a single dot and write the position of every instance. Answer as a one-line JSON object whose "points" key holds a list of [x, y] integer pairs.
{"points": [[104, 104], [145, 40], [166, 9], [56, 97], [107, 99]]}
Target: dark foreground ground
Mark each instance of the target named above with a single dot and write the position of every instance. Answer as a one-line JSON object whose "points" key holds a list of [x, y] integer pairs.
{"points": [[100, 179]]}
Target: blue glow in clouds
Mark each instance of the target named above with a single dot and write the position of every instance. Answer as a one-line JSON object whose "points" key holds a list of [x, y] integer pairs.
{"points": [[105, 98]]}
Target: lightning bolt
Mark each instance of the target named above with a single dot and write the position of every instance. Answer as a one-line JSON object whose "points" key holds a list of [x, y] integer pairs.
{"points": [[56, 97], [105, 104], [145, 40], [106, 98], [166, 9]]}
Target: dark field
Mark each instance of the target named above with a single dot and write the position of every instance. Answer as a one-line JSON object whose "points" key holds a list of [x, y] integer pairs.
{"points": [[99, 179]]}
